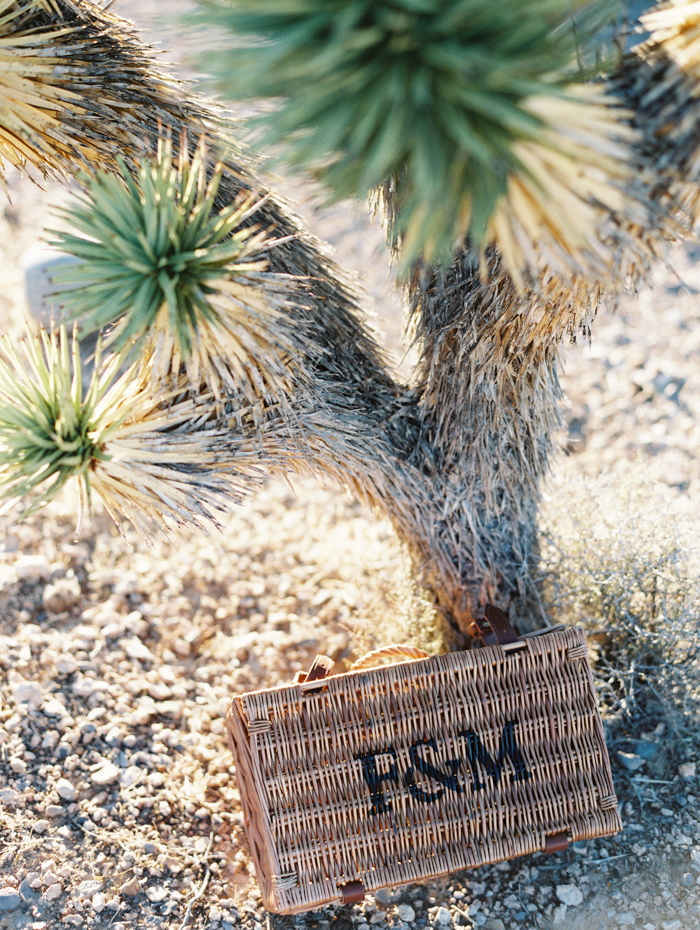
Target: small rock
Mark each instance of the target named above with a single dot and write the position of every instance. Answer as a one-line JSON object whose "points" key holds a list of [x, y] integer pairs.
{"points": [[406, 913], [626, 919], [569, 895], [66, 790], [84, 687], [40, 826], [89, 887], [53, 891], [18, 766], [181, 647], [135, 649], [383, 896], [9, 899], [443, 916], [377, 917], [130, 775], [646, 749], [494, 923], [32, 567], [65, 664], [114, 736], [631, 761], [131, 887], [559, 915], [26, 891], [11, 798], [53, 708], [671, 925], [62, 595], [105, 774], [157, 893], [99, 902], [29, 693], [687, 770], [54, 810]]}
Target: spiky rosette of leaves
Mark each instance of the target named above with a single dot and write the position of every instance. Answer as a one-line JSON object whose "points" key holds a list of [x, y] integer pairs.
{"points": [[158, 264], [146, 461], [454, 102]]}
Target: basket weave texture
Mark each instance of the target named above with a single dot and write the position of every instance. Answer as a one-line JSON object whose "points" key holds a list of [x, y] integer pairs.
{"points": [[396, 774]]}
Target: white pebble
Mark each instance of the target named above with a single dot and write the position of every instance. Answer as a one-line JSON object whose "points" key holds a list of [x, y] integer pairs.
{"points": [[687, 770], [130, 775], [53, 891], [32, 567], [29, 693], [40, 826], [569, 895], [99, 902], [135, 649], [443, 916], [156, 894], [53, 708], [65, 789], [406, 913], [66, 664], [105, 774], [89, 887]]}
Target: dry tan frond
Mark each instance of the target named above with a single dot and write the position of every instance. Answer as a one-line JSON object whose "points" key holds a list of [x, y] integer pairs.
{"points": [[676, 27], [549, 223]]}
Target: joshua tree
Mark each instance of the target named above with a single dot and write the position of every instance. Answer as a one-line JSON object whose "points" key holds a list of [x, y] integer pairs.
{"points": [[519, 185]]}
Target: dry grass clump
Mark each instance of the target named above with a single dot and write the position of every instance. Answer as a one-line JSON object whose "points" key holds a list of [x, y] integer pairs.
{"points": [[620, 561]]}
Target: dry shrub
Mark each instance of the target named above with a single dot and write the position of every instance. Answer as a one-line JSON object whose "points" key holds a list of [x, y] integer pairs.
{"points": [[620, 558]]}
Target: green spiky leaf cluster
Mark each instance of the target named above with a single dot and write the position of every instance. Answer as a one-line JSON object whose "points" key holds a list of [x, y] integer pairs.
{"points": [[153, 241], [161, 461], [420, 96], [49, 431]]}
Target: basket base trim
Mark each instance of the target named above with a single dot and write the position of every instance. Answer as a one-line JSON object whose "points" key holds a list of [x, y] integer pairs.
{"points": [[556, 842], [352, 892]]}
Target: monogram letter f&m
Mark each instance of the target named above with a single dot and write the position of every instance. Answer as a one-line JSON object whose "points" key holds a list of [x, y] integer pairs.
{"points": [[477, 758]]}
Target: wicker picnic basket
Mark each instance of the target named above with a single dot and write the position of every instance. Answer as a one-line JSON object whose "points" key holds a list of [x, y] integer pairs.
{"points": [[390, 775]]}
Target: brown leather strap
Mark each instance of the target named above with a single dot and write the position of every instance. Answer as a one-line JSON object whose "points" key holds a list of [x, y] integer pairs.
{"points": [[479, 627], [321, 667], [352, 892], [556, 842], [500, 625], [494, 629]]}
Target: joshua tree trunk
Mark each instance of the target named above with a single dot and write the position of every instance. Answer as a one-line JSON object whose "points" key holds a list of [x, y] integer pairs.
{"points": [[455, 458]]}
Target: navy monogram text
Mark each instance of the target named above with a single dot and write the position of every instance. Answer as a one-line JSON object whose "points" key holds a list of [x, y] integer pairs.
{"points": [[425, 760]]}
